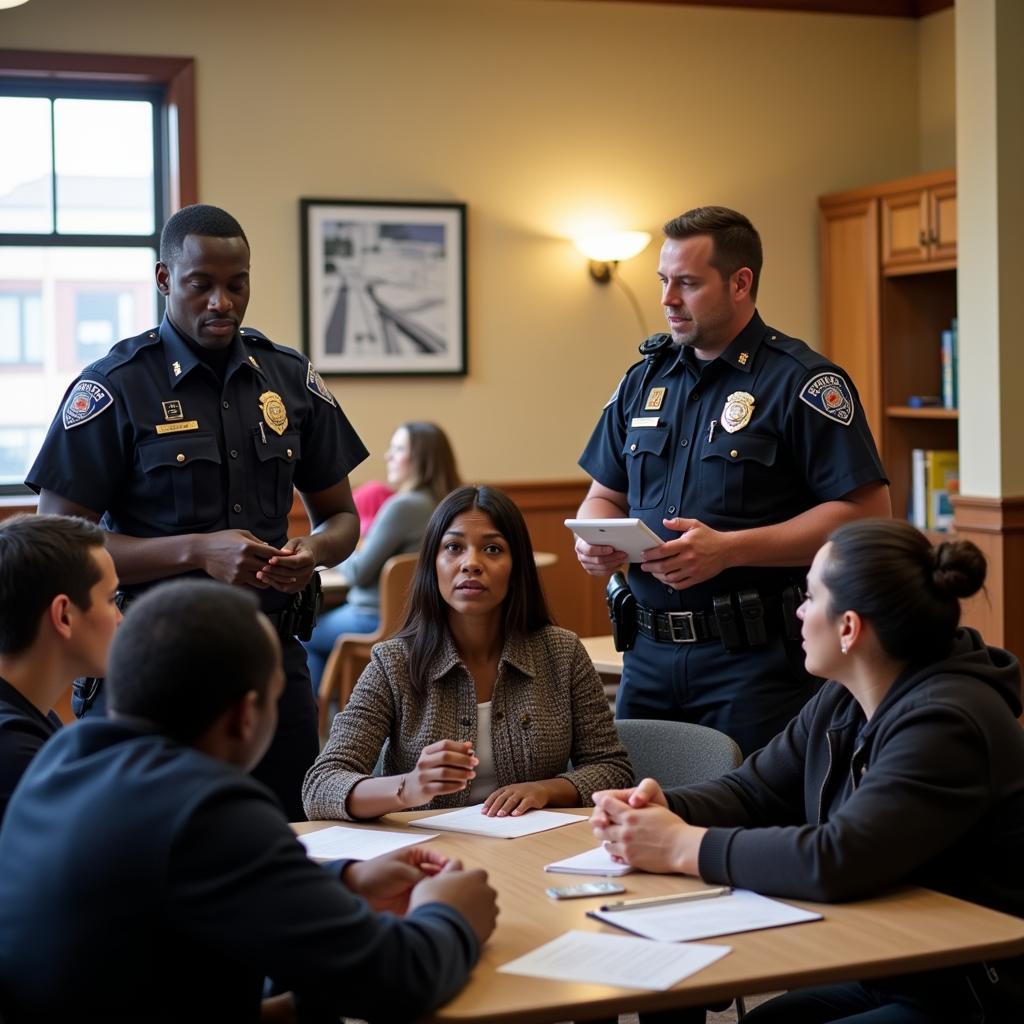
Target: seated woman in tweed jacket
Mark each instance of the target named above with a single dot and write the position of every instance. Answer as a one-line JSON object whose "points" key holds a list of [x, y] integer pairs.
{"points": [[479, 698]]}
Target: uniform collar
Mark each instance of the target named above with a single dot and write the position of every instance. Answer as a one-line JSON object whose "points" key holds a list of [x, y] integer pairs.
{"points": [[182, 359], [516, 652], [739, 353]]}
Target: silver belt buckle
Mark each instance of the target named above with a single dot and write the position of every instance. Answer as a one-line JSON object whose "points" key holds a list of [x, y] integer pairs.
{"points": [[682, 621]]}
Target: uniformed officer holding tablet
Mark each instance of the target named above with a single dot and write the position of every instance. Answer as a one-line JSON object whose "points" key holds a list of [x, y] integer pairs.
{"points": [[185, 443], [742, 448]]}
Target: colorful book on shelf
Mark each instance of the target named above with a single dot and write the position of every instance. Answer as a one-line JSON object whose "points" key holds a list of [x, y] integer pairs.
{"points": [[943, 472], [935, 475], [949, 366]]}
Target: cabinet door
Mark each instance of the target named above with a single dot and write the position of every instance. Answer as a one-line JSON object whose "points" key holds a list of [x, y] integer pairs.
{"points": [[905, 235], [942, 218], [849, 290]]}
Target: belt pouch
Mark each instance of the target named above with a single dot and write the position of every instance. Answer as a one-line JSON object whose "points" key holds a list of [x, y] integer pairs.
{"points": [[728, 627], [752, 610]]}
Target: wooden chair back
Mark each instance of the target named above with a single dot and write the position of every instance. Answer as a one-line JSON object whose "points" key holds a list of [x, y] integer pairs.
{"points": [[351, 653]]}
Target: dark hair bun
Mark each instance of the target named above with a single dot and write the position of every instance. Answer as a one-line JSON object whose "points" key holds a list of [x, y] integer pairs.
{"points": [[958, 569]]}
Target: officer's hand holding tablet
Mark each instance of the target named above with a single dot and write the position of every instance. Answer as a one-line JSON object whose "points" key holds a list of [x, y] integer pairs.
{"points": [[619, 540]]}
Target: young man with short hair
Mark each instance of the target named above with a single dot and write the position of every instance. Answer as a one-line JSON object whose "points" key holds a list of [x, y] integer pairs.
{"points": [[57, 618]]}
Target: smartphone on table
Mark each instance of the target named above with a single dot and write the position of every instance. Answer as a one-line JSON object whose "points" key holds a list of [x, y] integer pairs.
{"points": [[575, 892]]}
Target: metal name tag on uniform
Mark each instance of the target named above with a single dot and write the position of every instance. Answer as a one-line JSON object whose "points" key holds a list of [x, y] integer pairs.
{"points": [[645, 421], [177, 428], [654, 399], [739, 407], [274, 413]]}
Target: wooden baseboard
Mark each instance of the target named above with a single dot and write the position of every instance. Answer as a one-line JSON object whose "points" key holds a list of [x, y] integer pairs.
{"points": [[996, 525]]}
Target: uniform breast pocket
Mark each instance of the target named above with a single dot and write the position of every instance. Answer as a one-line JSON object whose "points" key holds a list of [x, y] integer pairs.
{"points": [[736, 473], [187, 466], [646, 466], [276, 458]]}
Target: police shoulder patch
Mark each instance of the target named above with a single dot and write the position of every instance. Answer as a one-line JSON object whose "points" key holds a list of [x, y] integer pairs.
{"points": [[316, 384], [86, 401], [829, 394]]}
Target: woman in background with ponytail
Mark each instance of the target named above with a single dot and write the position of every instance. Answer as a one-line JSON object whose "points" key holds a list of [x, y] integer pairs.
{"points": [[907, 767]]}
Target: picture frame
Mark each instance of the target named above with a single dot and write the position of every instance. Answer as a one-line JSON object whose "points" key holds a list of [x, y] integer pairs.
{"points": [[384, 287]]}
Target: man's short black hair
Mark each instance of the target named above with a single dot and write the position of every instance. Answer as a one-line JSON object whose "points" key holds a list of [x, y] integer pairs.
{"points": [[186, 652], [211, 221], [41, 557]]}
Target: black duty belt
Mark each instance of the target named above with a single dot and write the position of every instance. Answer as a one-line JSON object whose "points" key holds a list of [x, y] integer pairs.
{"points": [[739, 619], [677, 627]]}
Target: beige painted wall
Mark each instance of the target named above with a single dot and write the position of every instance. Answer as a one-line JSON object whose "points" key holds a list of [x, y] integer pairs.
{"points": [[937, 90], [537, 114], [990, 151]]}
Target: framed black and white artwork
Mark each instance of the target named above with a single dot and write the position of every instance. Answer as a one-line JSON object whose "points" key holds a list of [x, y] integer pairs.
{"points": [[384, 286]]}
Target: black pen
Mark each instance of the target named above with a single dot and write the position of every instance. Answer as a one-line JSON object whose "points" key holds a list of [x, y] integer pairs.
{"points": [[678, 897]]}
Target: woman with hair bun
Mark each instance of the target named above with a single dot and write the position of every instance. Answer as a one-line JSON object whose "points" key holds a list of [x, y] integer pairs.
{"points": [[907, 767]]}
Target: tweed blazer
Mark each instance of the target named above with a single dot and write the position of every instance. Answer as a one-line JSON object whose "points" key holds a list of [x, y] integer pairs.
{"points": [[548, 708]]}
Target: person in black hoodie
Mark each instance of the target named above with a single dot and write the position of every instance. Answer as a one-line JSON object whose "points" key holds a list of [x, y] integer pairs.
{"points": [[907, 767]]}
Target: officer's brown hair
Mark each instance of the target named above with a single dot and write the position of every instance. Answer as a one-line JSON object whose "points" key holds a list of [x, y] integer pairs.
{"points": [[736, 241], [40, 558]]}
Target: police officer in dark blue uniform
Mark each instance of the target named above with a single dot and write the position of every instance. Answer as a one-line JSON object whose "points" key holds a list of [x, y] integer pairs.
{"points": [[185, 443], [742, 448]]}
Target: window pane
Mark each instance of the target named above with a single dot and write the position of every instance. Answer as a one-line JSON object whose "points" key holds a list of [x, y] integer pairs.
{"points": [[72, 303], [10, 328], [104, 154], [26, 200]]}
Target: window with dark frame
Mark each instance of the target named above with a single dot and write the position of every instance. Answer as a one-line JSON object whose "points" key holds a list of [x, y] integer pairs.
{"points": [[106, 151]]}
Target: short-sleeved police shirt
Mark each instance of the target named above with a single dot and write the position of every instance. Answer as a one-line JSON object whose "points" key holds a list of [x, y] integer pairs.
{"points": [[150, 437], [799, 439]]}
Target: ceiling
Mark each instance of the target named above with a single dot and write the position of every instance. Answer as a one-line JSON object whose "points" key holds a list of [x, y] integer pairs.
{"points": [[883, 8]]}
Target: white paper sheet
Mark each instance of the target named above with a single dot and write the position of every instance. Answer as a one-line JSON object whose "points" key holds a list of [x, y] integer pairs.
{"points": [[739, 911], [592, 862], [590, 957], [469, 819], [340, 843]]}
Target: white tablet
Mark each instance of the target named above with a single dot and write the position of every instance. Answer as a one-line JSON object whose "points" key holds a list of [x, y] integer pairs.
{"points": [[629, 535]]}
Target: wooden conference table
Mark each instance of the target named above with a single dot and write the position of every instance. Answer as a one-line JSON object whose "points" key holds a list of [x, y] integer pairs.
{"points": [[908, 930]]}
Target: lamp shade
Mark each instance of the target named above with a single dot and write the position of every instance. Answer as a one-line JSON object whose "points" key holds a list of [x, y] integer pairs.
{"points": [[612, 246], [11, 3]]}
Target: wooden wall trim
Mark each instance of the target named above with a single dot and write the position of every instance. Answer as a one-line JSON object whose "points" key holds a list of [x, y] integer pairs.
{"points": [[989, 515], [996, 525]]}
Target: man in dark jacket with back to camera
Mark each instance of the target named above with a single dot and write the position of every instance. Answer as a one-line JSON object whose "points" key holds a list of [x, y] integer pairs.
{"points": [[145, 876]]}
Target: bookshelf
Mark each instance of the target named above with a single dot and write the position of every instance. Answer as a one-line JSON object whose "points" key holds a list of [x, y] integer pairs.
{"points": [[888, 257]]}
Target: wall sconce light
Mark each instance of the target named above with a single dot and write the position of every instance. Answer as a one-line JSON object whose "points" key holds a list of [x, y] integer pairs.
{"points": [[606, 249]]}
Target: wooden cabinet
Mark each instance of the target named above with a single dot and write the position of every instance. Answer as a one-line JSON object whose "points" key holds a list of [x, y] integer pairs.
{"points": [[919, 228], [888, 259]]}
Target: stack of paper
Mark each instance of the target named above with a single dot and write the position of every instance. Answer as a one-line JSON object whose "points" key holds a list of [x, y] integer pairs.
{"points": [[736, 911], [340, 843], [470, 819], [614, 960], [593, 862]]}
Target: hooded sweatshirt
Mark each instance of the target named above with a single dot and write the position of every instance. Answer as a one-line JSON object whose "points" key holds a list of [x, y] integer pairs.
{"points": [[929, 792]]}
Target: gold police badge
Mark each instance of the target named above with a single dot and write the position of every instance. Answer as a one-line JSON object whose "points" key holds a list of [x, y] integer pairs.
{"points": [[739, 407], [274, 413]]}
